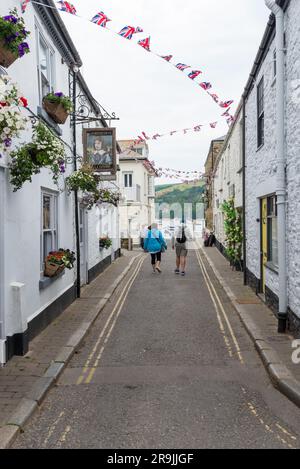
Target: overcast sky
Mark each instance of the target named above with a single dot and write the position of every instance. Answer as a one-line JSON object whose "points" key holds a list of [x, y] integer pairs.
{"points": [[221, 38]]}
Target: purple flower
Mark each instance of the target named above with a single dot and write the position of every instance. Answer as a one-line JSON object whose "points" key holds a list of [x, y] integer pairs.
{"points": [[59, 94], [23, 48], [7, 142], [11, 18], [11, 38]]}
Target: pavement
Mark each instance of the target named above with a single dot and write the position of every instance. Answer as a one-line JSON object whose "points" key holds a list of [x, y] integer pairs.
{"points": [[275, 349], [169, 364], [25, 381]]}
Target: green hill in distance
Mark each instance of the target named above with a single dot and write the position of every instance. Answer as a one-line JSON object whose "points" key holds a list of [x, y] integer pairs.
{"points": [[180, 193]]}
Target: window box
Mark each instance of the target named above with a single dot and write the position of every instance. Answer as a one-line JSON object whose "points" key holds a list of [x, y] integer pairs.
{"points": [[52, 269], [56, 111], [45, 282]]}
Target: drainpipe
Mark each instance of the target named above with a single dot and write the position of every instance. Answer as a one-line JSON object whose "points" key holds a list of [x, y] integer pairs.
{"points": [[281, 164], [244, 195]]}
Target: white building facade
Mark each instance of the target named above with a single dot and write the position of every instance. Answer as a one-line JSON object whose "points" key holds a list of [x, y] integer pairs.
{"points": [[261, 165], [40, 217], [228, 177], [137, 184]]}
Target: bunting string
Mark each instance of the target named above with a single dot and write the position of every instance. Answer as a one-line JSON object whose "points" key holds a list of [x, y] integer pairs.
{"points": [[128, 32]]}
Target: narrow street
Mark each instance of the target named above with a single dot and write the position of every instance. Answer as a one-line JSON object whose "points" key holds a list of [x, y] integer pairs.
{"points": [[167, 365]]}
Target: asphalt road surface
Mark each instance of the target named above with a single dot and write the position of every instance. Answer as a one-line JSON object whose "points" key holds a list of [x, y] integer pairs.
{"points": [[167, 365]]}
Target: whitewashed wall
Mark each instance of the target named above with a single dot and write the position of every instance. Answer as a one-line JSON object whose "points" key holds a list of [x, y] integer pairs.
{"points": [[228, 173], [261, 164], [138, 211], [22, 218]]}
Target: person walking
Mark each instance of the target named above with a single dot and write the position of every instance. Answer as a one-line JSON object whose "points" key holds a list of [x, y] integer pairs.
{"points": [[179, 243], [155, 244]]}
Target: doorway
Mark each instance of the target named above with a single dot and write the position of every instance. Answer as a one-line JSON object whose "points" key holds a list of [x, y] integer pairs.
{"points": [[264, 242]]}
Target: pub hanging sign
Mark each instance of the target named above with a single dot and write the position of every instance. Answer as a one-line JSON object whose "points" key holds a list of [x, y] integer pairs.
{"points": [[100, 150]]}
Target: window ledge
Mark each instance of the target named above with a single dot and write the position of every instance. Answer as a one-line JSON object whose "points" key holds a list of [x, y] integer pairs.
{"points": [[45, 282], [43, 114], [272, 267]]}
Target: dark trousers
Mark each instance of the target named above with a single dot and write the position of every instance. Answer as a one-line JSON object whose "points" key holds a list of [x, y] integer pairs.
{"points": [[155, 258]]}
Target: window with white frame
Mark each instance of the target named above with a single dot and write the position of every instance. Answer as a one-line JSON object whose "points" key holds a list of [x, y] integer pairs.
{"points": [[49, 234], [260, 113], [127, 179], [45, 65]]}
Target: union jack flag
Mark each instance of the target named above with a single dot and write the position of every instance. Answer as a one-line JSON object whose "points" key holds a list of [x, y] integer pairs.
{"points": [[145, 43], [128, 31], [213, 125], [24, 4], [226, 113], [215, 97], [206, 86], [226, 104], [145, 136], [197, 128], [156, 136], [167, 57], [194, 74], [182, 67], [101, 19], [230, 120], [67, 7]]}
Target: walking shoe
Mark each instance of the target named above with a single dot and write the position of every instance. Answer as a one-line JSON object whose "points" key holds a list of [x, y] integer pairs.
{"points": [[177, 271], [158, 270], [183, 274]]}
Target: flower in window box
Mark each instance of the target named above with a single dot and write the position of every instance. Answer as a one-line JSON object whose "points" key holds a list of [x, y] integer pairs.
{"points": [[105, 242], [58, 106], [13, 36], [57, 261]]}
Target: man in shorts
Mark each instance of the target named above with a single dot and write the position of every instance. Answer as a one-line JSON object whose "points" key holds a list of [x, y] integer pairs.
{"points": [[179, 243]]}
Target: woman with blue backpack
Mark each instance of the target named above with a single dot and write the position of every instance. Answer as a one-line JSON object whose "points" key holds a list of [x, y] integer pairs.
{"points": [[155, 244]]}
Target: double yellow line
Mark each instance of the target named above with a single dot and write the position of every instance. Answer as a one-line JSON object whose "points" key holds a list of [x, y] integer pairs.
{"points": [[221, 313], [89, 371]]}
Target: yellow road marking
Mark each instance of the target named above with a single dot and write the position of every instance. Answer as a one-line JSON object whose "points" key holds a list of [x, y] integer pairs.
{"points": [[286, 432], [221, 325], [53, 427], [93, 370], [235, 341], [94, 350]]}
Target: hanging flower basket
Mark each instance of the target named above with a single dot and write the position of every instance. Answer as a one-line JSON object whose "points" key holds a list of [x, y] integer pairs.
{"points": [[58, 106], [7, 58], [13, 37]]}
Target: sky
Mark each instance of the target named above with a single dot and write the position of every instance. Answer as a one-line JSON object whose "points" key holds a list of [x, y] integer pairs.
{"points": [[220, 38]]}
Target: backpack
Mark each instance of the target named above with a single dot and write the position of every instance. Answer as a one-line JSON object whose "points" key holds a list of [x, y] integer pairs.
{"points": [[181, 240]]}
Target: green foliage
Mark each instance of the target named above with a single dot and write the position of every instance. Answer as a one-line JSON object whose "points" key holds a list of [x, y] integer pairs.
{"points": [[105, 242], [60, 98], [180, 194], [44, 151], [83, 180], [233, 230], [14, 34]]}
